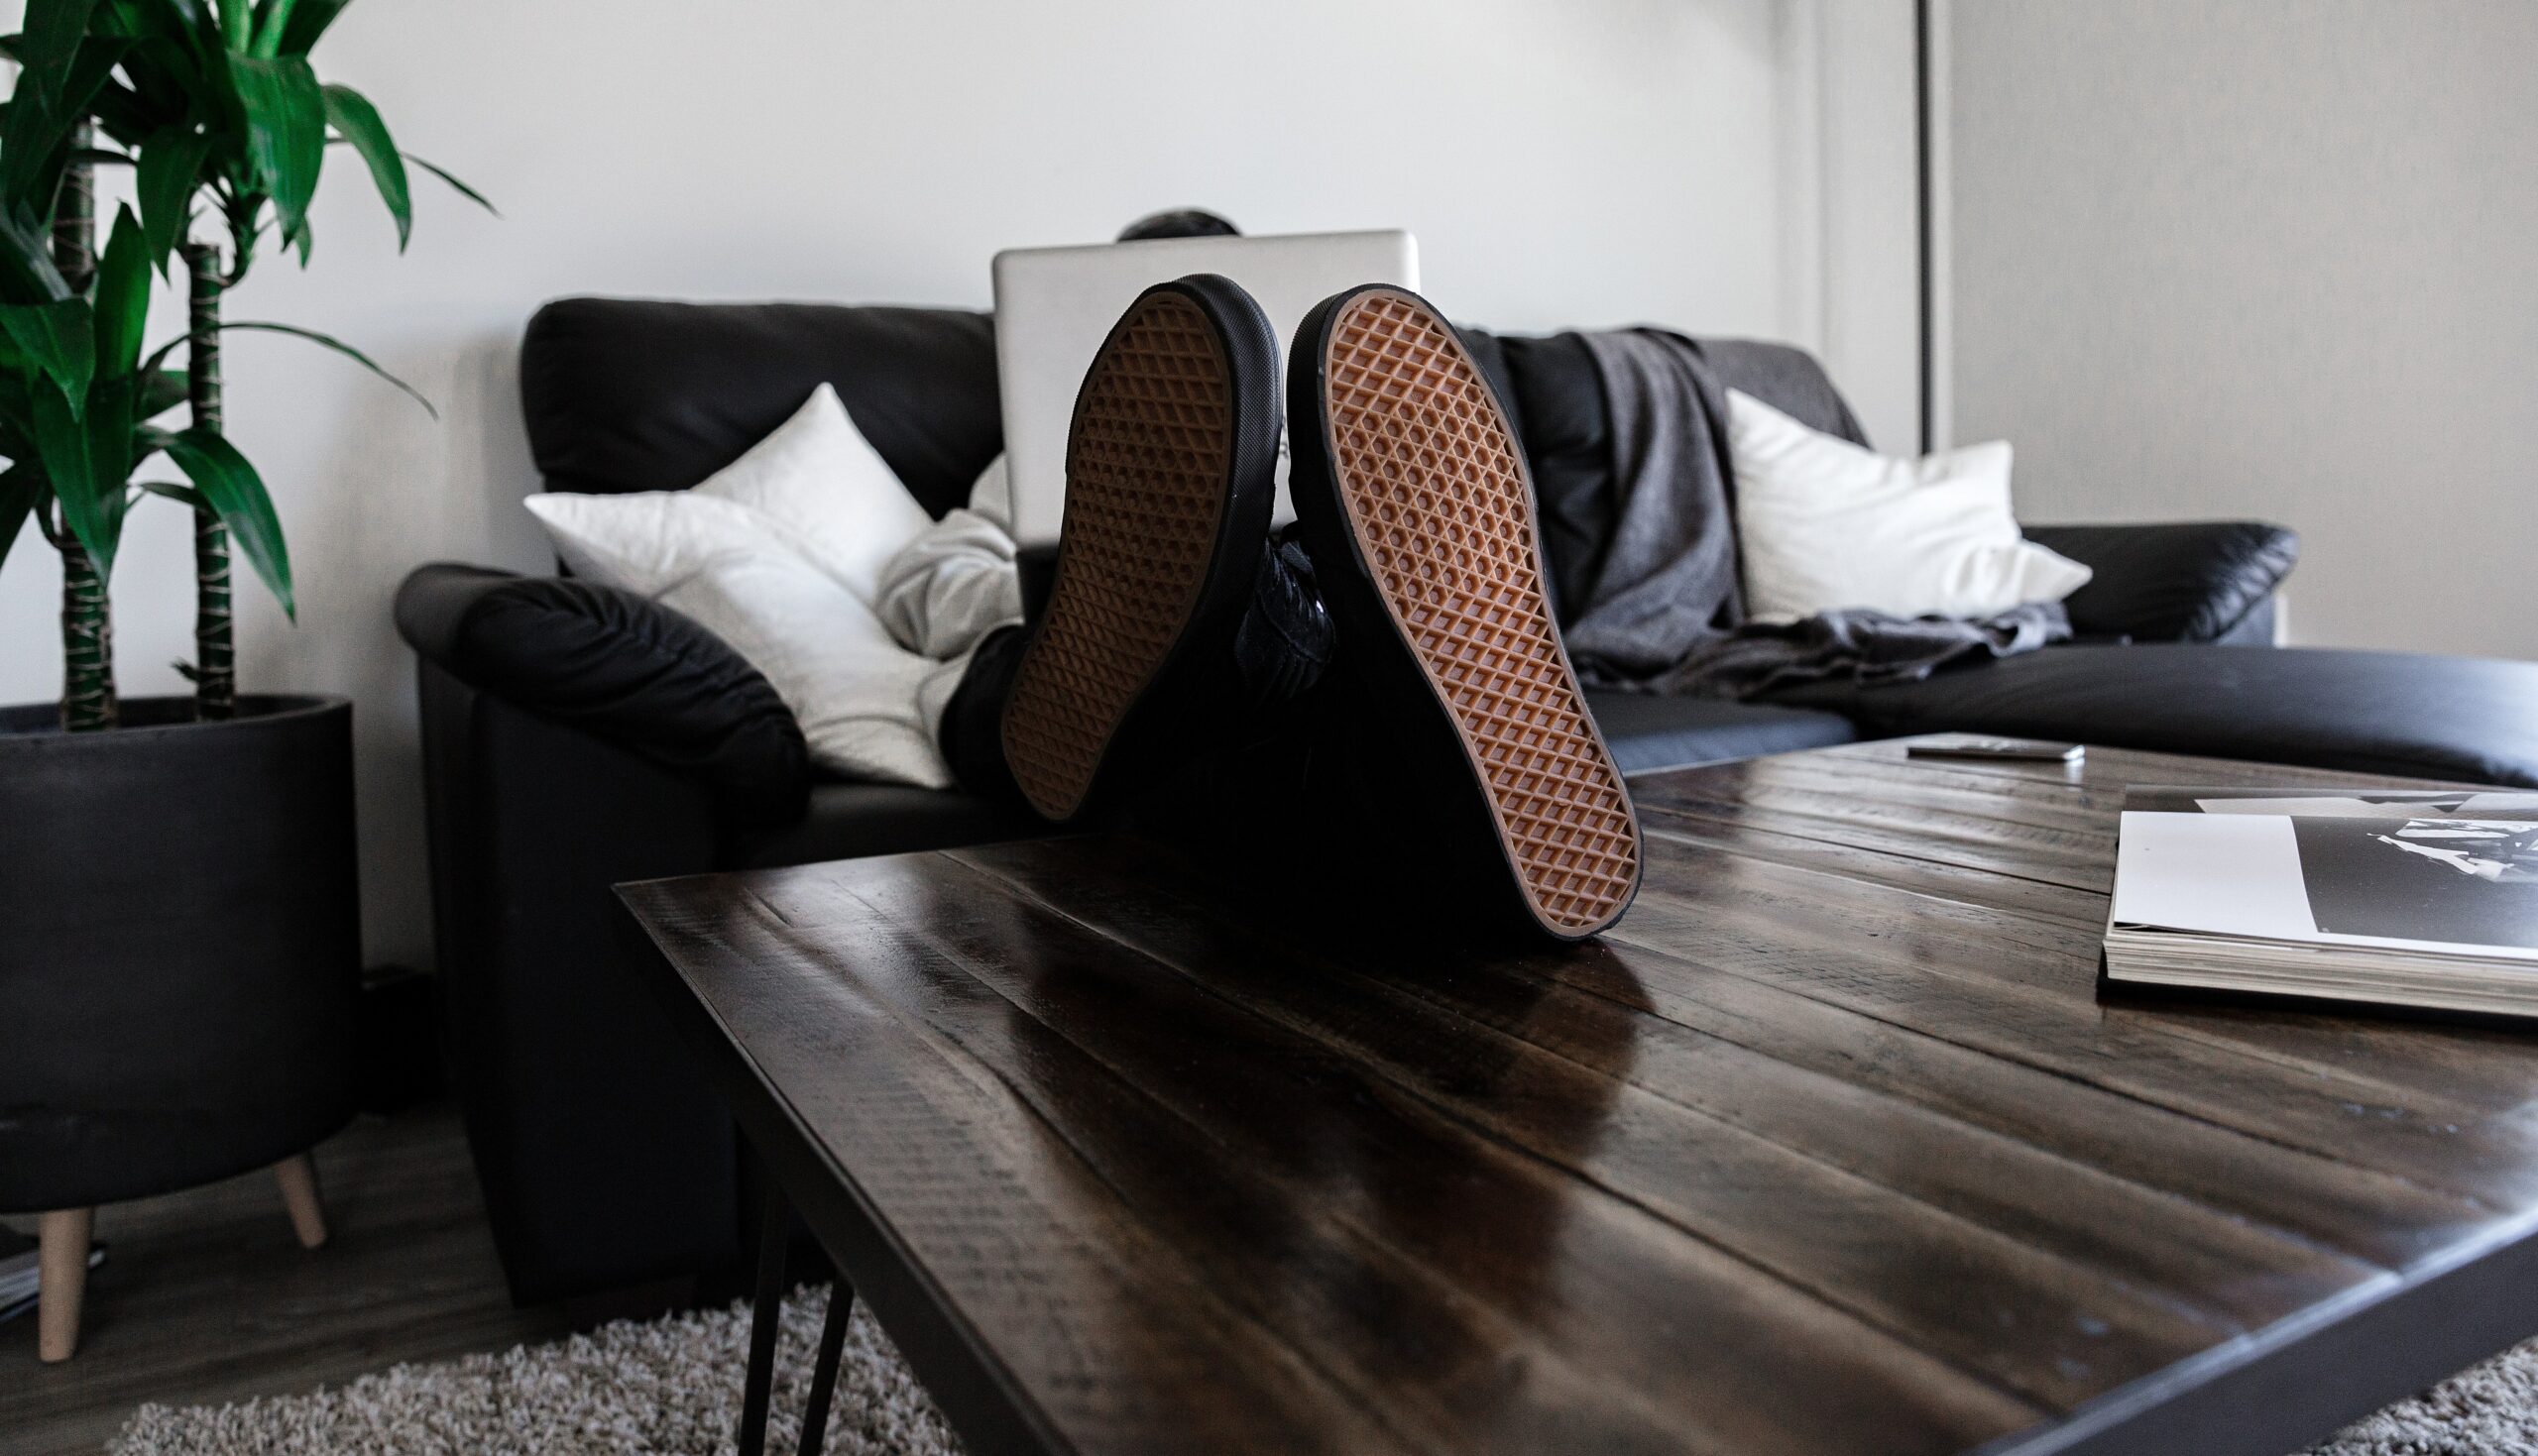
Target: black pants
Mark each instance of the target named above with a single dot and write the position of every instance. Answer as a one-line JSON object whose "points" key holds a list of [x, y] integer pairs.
{"points": [[1304, 799]]}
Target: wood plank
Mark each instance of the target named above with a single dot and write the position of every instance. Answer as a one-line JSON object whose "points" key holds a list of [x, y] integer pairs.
{"points": [[2478, 1066], [1502, 1307], [1933, 967], [2014, 1189], [1078, 1287]]}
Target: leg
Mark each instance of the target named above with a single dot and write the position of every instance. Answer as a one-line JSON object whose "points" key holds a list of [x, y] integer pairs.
{"points": [[971, 732], [775, 1227], [815, 1411], [63, 1264], [1171, 465], [297, 1175], [1412, 494]]}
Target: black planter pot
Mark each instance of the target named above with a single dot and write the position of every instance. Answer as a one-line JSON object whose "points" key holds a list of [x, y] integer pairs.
{"points": [[179, 946]]}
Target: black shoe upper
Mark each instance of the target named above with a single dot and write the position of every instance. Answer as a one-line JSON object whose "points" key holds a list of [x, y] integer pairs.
{"points": [[1257, 636]]}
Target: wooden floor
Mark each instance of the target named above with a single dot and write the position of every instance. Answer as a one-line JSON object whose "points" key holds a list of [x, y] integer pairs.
{"points": [[206, 1297]]}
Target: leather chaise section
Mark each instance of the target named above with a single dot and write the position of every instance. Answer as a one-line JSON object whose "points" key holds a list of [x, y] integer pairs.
{"points": [[1648, 732], [2186, 582], [2408, 714]]}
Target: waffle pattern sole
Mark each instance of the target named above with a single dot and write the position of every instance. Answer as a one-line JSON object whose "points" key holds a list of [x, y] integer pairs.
{"points": [[1146, 488], [1434, 488]]}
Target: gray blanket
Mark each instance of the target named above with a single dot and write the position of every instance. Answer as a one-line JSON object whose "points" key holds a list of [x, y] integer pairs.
{"points": [[1664, 612]]}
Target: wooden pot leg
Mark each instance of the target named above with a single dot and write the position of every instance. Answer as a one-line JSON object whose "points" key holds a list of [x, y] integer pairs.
{"points": [[299, 1179], [63, 1267]]}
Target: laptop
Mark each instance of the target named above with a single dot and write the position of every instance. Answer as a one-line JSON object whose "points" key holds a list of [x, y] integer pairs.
{"points": [[1055, 305]]}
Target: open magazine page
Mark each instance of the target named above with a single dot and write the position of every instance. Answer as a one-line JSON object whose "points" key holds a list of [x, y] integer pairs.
{"points": [[2442, 871]]}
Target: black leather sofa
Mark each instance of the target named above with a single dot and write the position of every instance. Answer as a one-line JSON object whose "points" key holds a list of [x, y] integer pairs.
{"points": [[575, 737]]}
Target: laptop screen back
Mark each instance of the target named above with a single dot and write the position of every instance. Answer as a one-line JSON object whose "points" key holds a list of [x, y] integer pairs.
{"points": [[1055, 305]]}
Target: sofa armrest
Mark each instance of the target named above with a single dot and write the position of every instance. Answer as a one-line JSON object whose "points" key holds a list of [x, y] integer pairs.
{"points": [[2184, 582], [604, 1157], [622, 668]]}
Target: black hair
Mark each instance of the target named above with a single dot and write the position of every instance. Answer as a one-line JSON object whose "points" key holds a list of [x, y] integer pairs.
{"points": [[1178, 222]]}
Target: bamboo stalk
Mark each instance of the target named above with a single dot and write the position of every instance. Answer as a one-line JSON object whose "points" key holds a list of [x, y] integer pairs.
{"points": [[215, 631], [88, 700]]}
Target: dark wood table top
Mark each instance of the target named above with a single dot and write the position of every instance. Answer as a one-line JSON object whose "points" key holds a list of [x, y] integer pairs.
{"points": [[1829, 1147]]}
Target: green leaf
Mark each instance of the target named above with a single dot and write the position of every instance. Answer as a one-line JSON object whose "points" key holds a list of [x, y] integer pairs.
{"points": [[174, 20], [164, 82], [271, 16], [26, 272], [22, 488], [351, 113], [237, 496], [308, 21], [341, 347], [286, 132], [237, 23], [53, 31], [61, 443], [162, 389], [463, 190], [60, 339], [169, 176], [123, 295], [185, 496]]}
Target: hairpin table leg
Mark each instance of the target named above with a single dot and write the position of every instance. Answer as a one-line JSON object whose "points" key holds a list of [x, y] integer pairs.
{"points": [[815, 1411], [775, 1231]]}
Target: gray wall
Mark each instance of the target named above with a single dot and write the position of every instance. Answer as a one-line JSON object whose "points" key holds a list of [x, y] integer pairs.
{"points": [[2269, 258]]}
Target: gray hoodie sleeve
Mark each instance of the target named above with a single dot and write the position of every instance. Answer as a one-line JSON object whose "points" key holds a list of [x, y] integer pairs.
{"points": [[956, 583]]}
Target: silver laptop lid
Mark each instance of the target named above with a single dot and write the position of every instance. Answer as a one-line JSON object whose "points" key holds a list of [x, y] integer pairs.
{"points": [[1055, 305]]}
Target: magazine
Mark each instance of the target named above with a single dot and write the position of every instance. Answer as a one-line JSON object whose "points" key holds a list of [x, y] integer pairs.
{"points": [[2408, 897]]}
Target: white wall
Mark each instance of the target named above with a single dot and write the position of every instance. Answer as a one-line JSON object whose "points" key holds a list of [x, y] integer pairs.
{"points": [[1851, 279], [1563, 163], [2273, 258]]}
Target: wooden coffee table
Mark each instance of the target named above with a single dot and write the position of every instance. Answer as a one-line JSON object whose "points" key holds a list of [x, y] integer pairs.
{"points": [[1830, 1146]]}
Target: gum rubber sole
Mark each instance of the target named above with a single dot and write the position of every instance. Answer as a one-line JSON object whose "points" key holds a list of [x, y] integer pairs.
{"points": [[1147, 467], [1433, 486]]}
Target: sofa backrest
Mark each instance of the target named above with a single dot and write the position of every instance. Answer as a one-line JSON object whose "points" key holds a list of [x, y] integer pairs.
{"points": [[1551, 387], [635, 395]]}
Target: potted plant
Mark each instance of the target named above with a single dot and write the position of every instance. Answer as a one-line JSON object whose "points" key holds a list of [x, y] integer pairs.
{"points": [[180, 939]]}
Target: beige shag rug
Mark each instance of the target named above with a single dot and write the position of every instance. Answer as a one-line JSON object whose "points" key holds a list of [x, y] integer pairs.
{"points": [[671, 1387], [635, 1387]]}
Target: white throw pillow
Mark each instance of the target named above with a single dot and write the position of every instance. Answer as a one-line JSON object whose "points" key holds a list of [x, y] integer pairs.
{"points": [[777, 554], [1822, 523]]}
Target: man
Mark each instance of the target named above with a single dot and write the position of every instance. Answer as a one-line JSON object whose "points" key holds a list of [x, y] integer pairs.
{"points": [[1389, 675]]}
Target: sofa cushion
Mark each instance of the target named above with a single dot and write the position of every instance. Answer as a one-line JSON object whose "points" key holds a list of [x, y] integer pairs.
{"points": [[777, 554], [2386, 713], [620, 667], [1823, 525], [632, 394], [1647, 731]]}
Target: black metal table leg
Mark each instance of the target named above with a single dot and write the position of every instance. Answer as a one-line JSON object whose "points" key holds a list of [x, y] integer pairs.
{"points": [[774, 1233], [815, 1411]]}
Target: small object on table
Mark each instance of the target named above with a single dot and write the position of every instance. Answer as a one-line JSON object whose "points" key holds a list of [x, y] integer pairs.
{"points": [[2018, 750], [2397, 896]]}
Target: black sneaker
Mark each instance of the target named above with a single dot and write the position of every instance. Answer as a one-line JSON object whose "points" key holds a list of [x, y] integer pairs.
{"points": [[1170, 470], [1413, 497]]}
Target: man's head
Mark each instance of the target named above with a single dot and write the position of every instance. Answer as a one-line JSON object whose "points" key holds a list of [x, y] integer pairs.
{"points": [[1178, 222]]}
